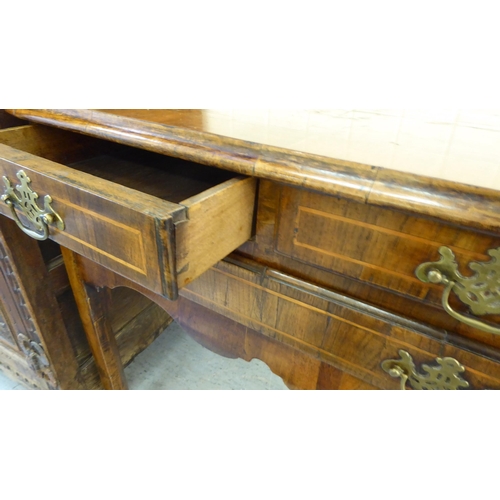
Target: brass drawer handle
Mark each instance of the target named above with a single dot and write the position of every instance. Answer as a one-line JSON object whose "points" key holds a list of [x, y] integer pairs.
{"points": [[25, 202], [480, 292], [446, 375]]}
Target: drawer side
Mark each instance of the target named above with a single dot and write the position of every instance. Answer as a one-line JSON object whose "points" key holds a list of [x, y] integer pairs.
{"points": [[219, 221]]}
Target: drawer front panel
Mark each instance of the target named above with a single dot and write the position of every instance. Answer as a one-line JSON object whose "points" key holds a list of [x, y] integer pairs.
{"points": [[370, 244], [347, 334], [99, 225], [372, 253], [120, 239]]}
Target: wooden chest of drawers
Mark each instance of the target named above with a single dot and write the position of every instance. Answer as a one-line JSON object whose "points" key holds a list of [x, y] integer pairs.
{"points": [[322, 285]]}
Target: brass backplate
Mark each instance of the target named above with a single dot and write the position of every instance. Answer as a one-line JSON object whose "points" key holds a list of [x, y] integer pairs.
{"points": [[24, 200], [481, 291], [444, 375]]}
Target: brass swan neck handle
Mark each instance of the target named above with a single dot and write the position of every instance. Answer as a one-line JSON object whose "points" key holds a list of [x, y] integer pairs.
{"points": [[444, 374], [23, 198], [481, 292]]}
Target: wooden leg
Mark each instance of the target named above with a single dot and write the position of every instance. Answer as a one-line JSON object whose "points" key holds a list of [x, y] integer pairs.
{"points": [[91, 304], [221, 334]]}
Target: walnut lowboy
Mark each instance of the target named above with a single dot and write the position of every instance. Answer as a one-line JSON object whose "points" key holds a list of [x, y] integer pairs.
{"points": [[322, 283], [170, 227]]}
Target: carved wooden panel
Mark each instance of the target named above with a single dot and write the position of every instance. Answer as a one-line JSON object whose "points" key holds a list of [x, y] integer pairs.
{"points": [[25, 339], [5, 333]]}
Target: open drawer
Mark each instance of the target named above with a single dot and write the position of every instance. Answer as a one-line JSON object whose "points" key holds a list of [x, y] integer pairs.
{"points": [[156, 220]]}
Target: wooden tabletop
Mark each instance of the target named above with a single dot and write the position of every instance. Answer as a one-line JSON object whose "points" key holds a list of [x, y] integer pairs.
{"points": [[459, 146], [445, 164]]}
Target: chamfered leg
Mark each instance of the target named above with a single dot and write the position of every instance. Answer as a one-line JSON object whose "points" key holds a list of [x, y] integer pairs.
{"points": [[92, 305]]}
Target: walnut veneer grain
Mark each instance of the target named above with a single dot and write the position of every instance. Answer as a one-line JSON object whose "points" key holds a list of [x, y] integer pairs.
{"points": [[323, 289], [171, 132]]}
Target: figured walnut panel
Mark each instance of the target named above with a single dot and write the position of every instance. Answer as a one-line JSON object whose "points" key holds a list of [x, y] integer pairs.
{"points": [[365, 252], [374, 245], [353, 337]]}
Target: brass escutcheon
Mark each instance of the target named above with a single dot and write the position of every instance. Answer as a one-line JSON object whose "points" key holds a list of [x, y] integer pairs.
{"points": [[481, 292], [25, 201], [446, 375]]}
